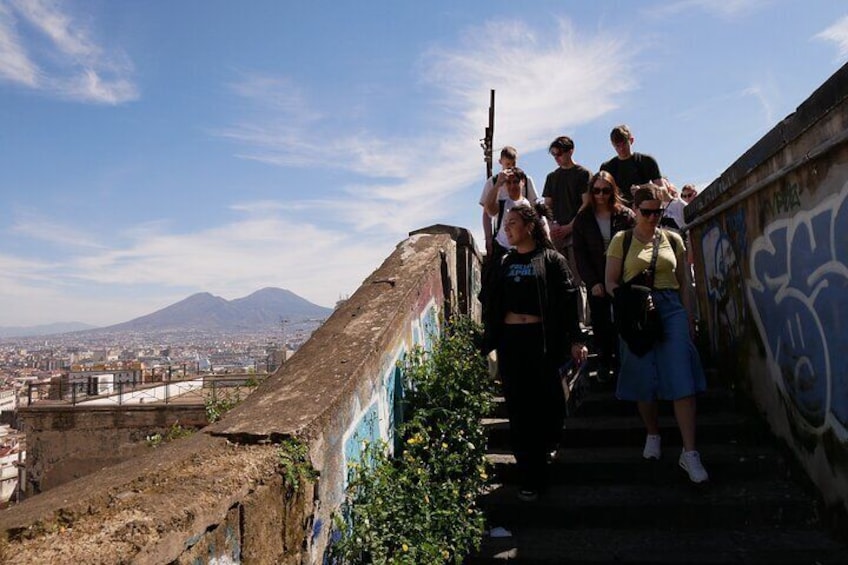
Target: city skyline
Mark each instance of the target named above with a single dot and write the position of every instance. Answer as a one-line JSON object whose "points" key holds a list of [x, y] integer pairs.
{"points": [[154, 150]]}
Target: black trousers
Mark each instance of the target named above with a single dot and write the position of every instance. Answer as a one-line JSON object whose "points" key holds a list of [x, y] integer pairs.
{"points": [[534, 400], [605, 335]]}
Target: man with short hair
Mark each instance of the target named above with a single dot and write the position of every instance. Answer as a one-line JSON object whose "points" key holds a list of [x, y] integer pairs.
{"points": [[507, 160], [514, 182], [565, 193], [628, 168]]}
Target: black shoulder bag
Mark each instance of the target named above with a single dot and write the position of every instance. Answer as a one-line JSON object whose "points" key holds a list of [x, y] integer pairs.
{"points": [[636, 317]]}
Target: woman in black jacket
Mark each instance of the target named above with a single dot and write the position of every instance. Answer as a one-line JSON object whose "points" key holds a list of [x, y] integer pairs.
{"points": [[531, 319], [594, 227]]}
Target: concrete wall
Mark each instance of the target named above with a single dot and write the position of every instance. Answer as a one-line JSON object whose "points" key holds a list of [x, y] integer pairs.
{"points": [[220, 496], [68, 442], [771, 243]]}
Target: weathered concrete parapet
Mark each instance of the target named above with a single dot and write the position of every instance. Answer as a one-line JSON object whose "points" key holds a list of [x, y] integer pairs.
{"points": [[771, 243], [219, 496], [65, 442]]}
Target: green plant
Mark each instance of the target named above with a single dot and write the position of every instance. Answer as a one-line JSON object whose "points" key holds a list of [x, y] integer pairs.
{"points": [[176, 431], [218, 406], [420, 506], [295, 467]]}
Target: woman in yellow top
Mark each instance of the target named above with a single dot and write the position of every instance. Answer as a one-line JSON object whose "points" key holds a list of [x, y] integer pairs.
{"points": [[671, 370]]}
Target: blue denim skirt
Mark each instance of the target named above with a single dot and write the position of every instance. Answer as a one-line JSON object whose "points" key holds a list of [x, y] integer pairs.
{"points": [[672, 369]]}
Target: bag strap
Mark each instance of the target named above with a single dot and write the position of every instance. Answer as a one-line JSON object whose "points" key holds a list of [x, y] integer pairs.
{"points": [[654, 253], [501, 204]]}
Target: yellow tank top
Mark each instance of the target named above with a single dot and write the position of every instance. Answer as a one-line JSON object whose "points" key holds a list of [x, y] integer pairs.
{"points": [[639, 258]]}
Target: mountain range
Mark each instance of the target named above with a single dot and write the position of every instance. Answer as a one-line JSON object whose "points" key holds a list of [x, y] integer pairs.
{"points": [[263, 309]]}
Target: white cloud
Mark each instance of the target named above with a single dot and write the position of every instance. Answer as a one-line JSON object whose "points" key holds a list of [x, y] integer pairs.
{"points": [[726, 9], [71, 65], [838, 34], [765, 102], [15, 65], [547, 81], [36, 226]]}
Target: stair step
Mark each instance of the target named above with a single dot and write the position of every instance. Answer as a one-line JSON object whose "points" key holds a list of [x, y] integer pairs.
{"points": [[603, 403], [680, 504], [725, 463], [602, 545], [726, 428]]}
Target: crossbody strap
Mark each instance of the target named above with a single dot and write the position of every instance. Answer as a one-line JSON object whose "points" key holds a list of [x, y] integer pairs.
{"points": [[653, 267]]}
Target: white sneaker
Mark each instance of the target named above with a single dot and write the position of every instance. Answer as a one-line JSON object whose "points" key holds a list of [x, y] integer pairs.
{"points": [[690, 461], [653, 448]]}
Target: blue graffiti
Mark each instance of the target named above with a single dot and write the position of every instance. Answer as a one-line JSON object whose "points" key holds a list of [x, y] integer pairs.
{"points": [[431, 327], [799, 296], [367, 431], [737, 229]]}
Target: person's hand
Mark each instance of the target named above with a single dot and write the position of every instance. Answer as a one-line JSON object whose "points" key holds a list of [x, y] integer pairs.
{"points": [[558, 234], [598, 290], [579, 353], [503, 176]]}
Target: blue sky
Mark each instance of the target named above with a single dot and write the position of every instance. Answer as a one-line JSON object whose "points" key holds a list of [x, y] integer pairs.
{"points": [[152, 149]]}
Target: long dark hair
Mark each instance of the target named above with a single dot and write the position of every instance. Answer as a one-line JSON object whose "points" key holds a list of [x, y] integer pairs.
{"points": [[529, 215], [615, 201]]}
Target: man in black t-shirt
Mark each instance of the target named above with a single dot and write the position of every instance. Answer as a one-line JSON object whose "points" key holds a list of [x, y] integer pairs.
{"points": [[629, 168], [565, 192]]}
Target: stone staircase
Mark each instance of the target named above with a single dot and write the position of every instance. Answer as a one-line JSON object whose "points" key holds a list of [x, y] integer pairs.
{"points": [[608, 505]]}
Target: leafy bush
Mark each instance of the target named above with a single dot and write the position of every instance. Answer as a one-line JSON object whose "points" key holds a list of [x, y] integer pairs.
{"points": [[420, 506]]}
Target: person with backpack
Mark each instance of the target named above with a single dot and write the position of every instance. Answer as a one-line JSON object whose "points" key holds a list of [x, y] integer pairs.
{"points": [[668, 367], [628, 167], [513, 182], [507, 160], [530, 318]]}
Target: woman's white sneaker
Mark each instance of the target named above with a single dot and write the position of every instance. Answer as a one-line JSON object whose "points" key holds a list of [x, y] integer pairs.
{"points": [[653, 447], [690, 461]]}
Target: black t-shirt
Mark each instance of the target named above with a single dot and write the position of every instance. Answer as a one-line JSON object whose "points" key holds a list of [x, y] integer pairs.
{"points": [[521, 291], [565, 188], [638, 169]]}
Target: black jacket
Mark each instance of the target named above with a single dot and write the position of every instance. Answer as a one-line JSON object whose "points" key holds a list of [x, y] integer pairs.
{"points": [[557, 303], [589, 250]]}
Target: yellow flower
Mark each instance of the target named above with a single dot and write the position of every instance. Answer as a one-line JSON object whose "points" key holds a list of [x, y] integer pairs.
{"points": [[405, 547], [444, 445]]}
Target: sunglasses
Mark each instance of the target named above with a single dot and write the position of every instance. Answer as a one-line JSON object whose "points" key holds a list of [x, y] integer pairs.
{"points": [[688, 195], [604, 190], [652, 211]]}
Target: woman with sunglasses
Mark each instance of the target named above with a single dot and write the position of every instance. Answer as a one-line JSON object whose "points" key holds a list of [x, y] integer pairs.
{"points": [[671, 369], [594, 226], [530, 308]]}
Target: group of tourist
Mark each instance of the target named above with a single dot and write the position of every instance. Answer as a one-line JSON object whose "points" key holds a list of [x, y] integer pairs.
{"points": [[556, 262]]}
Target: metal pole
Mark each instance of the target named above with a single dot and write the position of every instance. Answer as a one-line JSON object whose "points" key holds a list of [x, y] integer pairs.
{"points": [[490, 134]]}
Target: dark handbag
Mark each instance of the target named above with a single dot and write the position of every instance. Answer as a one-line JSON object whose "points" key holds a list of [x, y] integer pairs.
{"points": [[636, 317]]}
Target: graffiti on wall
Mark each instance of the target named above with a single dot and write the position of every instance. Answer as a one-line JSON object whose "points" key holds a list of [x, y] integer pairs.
{"points": [[798, 291], [786, 198], [724, 285], [380, 418]]}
